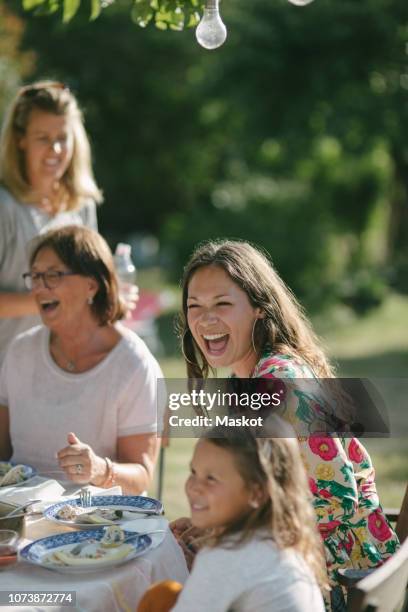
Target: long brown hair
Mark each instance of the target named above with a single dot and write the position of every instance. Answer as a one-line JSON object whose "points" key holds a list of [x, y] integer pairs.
{"points": [[275, 467], [284, 327], [78, 183]]}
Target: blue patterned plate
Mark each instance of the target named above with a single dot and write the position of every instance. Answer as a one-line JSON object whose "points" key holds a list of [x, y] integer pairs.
{"points": [[132, 506], [28, 472], [41, 551]]}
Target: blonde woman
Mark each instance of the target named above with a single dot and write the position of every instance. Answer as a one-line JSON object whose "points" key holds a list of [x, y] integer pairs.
{"points": [[239, 314], [46, 181]]}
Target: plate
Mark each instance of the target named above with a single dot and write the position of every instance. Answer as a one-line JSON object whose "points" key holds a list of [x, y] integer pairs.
{"points": [[38, 552], [115, 502], [28, 473], [149, 525]]}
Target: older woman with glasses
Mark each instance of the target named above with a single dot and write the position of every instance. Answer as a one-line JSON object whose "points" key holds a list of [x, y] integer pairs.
{"points": [[46, 181], [78, 395]]}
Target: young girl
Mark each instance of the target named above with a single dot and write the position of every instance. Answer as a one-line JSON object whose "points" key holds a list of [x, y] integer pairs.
{"points": [[261, 550]]}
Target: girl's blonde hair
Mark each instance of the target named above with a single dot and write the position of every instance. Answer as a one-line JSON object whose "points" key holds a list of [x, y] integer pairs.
{"points": [[284, 328], [273, 465], [78, 183]]}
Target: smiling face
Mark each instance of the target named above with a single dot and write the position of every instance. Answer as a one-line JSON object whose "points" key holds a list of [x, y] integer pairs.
{"points": [[221, 319], [48, 146], [217, 493], [65, 306]]}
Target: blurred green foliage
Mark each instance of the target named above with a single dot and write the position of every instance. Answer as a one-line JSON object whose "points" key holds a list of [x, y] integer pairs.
{"points": [[173, 14], [14, 64], [292, 135]]}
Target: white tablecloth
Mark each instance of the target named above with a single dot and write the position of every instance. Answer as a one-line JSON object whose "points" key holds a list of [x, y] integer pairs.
{"points": [[115, 590], [36, 488]]}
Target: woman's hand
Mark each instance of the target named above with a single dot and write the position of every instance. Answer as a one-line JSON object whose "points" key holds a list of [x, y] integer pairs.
{"points": [[80, 463], [179, 526], [129, 294], [184, 531], [186, 535]]}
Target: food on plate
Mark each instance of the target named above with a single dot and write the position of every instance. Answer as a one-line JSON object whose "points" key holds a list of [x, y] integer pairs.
{"points": [[89, 554], [113, 536], [95, 516], [68, 513], [10, 474], [100, 516]]}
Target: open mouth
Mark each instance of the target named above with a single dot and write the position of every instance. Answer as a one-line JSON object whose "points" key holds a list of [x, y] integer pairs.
{"points": [[48, 305], [51, 163], [197, 507], [216, 344]]}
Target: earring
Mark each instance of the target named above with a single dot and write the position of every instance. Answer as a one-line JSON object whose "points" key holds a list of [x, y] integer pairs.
{"points": [[254, 503], [182, 349], [90, 300], [252, 336]]}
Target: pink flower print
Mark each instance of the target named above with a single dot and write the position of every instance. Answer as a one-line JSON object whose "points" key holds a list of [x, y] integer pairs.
{"points": [[325, 447], [348, 545], [325, 493], [313, 486], [326, 529], [378, 526], [356, 451]]}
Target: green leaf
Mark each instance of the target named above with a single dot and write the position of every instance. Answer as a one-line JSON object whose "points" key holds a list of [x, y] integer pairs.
{"points": [[193, 19], [70, 8], [303, 411], [372, 553], [347, 472], [391, 547], [142, 13], [46, 8], [28, 5], [346, 494], [161, 25], [95, 9]]}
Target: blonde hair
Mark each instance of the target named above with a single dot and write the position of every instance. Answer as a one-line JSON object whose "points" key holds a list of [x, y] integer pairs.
{"points": [[78, 183], [274, 466], [284, 327]]}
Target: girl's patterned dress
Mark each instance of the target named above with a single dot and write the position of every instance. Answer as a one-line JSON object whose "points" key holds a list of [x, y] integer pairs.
{"points": [[350, 519]]}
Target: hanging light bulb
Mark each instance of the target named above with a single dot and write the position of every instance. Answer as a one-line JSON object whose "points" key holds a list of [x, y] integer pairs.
{"points": [[211, 32], [300, 2]]}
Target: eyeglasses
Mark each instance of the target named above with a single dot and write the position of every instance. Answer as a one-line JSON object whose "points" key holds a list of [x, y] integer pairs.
{"points": [[50, 279]]}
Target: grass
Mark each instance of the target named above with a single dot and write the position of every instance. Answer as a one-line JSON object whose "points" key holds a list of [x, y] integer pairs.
{"points": [[373, 346]]}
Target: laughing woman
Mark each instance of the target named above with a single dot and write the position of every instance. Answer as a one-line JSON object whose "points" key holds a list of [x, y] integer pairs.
{"points": [[239, 314], [78, 395], [46, 181]]}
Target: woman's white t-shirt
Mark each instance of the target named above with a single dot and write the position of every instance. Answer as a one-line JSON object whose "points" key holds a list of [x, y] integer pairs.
{"points": [[118, 397]]}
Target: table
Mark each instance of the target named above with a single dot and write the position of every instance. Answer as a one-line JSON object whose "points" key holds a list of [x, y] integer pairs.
{"points": [[118, 589]]}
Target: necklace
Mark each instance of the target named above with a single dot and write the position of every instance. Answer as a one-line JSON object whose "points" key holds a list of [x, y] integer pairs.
{"points": [[46, 205], [49, 201], [69, 363]]}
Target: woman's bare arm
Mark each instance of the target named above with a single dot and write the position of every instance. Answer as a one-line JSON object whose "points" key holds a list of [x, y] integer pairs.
{"points": [[17, 305]]}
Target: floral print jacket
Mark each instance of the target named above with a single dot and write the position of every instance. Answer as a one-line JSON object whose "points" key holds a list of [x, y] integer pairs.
{"points": [[354, 529]]}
